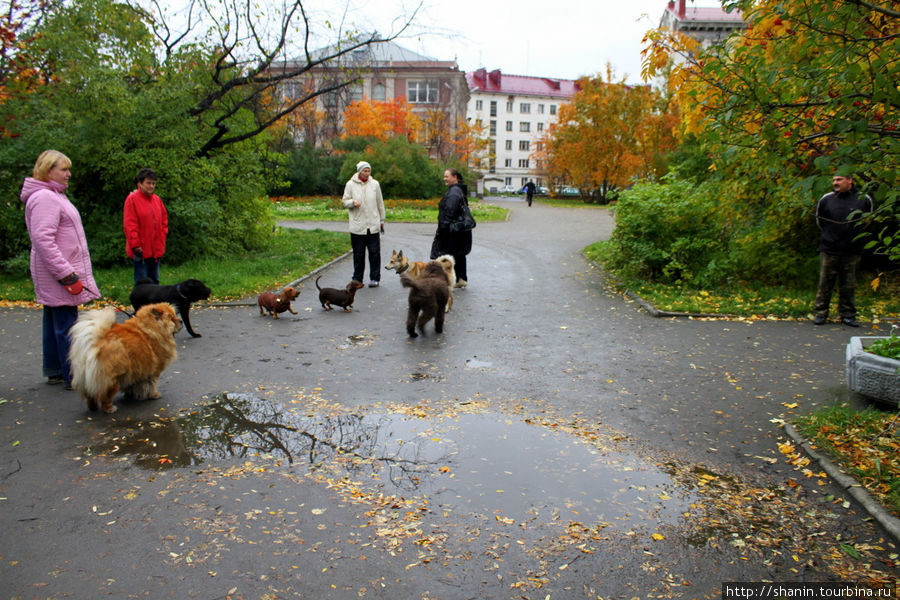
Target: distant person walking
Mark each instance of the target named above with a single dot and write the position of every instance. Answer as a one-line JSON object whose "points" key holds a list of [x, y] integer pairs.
{"points": [[839, 250], [529, 192], [362, 199], [60, 261], [146, 224], [452, 237]]}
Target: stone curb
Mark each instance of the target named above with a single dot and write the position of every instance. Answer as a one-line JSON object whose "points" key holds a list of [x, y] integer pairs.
{"points": [[889, 522]]}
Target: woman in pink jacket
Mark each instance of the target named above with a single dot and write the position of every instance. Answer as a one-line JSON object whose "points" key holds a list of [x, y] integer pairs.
{"points": [[146, 225], [60, 261]]}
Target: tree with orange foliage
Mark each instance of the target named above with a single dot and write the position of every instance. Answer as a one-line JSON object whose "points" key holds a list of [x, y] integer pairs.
{"points": [[605, 138], [380, 120], [470, 143]]}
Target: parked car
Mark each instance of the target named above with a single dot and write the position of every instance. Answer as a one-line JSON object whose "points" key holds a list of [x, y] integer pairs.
{"points": [[543, 191], [569, 191], [509, 189]]}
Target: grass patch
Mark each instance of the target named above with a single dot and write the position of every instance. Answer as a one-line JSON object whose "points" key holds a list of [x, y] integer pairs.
{"points": [[568, 202], [317, 208], [760, 301], [866, 444], [289, 255]]}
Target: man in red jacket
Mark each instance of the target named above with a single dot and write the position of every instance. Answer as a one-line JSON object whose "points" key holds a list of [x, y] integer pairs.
{"points": [[146, 225]]}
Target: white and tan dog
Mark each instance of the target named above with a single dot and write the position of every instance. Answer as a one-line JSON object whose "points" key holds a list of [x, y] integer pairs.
{"points": [[415, 269]]}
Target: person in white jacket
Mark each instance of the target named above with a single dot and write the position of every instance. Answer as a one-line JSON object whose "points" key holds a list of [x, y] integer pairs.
{"points": [[363, 201]]}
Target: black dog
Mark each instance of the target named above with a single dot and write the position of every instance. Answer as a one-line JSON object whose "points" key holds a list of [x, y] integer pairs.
{"points": [[180, 294], [344, 298], [427, 298]]}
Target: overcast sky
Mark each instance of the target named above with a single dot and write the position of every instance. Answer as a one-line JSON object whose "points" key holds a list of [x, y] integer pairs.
{"points": [[547, 38]]}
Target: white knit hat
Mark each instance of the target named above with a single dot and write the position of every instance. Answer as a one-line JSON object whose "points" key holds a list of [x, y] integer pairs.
{"points": [[362, 165]]}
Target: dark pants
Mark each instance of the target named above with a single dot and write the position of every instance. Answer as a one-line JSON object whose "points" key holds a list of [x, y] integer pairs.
{"points": [[841, 269], [370, 242], [148, 267], [460, 268], [529, 197], [58, 320]]}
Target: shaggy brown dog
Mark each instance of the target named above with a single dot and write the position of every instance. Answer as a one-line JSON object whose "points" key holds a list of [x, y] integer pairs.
{"points": [[427, 298], [269, 302], [344, 298], [414, 269], [106, 355]]}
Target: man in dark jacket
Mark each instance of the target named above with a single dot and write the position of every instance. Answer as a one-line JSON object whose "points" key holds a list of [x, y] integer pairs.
{"points": [[839, 248]]}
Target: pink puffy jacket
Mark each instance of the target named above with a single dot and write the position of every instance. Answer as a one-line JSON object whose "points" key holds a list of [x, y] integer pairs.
{"points": [[58, 245]]}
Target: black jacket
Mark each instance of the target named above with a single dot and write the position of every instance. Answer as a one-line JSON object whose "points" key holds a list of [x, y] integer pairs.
{"points": [[832, 212], [449, 211]]}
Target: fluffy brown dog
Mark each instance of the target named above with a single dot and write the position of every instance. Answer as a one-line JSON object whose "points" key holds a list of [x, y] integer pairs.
{"points": [[269, 302], [414, 269], [344, 298], [106, 355], [427, 298]]}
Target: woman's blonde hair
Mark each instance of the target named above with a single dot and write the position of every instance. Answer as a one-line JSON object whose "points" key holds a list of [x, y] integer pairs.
{"points": [[46, 161]]}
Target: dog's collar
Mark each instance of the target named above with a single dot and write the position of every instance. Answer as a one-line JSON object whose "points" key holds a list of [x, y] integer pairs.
{"points": [[403, 269], [178, 289]]}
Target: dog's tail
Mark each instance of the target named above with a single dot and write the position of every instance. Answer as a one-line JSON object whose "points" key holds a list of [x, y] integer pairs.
{"points": [[84, 334], [317, 283], [407, 281]]}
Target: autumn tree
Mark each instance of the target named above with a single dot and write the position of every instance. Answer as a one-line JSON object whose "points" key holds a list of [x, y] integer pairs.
{"points": [[470, 144], [125, 84], [605, 137], [380, 120], [808, 87]]}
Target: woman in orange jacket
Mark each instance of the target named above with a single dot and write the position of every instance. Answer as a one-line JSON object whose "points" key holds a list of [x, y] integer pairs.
{"points": [[146, 225]]}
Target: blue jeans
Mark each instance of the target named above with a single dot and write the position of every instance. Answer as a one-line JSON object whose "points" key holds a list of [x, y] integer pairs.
{"points": [[370, 242], [148, 267], [57, 322]]}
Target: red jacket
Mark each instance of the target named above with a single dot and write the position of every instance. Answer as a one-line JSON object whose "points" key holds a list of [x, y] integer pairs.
{"points": [[146, 224]]}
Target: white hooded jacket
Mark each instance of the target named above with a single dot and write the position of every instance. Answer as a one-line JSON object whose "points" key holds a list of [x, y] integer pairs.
{"points": [[369, 215]]}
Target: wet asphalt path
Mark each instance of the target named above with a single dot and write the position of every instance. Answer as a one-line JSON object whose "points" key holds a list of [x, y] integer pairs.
{"points": [[556, 441]]}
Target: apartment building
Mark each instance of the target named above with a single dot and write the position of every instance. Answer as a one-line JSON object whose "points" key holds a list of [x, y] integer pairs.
{"points": [[707, 25], [516, 111], [383, 71]]}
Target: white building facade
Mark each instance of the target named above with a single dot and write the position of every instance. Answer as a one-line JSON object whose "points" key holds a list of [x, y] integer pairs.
{"points": [[516, 111]]}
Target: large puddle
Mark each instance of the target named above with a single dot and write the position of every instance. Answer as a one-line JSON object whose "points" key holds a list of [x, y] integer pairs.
{"points": [[483, 462]]}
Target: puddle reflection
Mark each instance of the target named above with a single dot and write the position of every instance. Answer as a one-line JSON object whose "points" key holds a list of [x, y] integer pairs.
{"points": [[477, 462]]}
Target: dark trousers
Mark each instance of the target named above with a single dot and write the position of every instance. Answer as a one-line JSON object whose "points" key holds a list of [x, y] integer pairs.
{"points": [[460, 268], [147, 267], [58, 320], [371, 243], [841, 269]]}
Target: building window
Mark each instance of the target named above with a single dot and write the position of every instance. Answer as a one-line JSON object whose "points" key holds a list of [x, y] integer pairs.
{"points": [[540, 109], [508, 181], [478, 123], [479, 104], [552, 109], [356, 92], [508, 162], [379, 93], [524, 126], [509, 106], [493, 108], [525, 108], [540, 126], [524, 145], [493, 127], [330, 100], [523, 162], [422, 92], [509, 144], [524, 181], [509, 125]]}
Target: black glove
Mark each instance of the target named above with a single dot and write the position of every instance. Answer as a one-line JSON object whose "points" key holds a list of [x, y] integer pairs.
{"points": [[138, 253]]}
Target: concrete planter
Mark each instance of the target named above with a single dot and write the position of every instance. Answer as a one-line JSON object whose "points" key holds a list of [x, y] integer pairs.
{"points": [[871, 375]]}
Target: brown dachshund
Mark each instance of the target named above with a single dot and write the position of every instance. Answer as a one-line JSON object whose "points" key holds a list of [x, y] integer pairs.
{"points": [[269, 302], [344, 298]]}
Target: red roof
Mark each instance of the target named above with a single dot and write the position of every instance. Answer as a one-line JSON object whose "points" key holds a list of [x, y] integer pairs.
{"points": [[714, 14], [495, 81]]}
